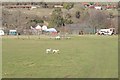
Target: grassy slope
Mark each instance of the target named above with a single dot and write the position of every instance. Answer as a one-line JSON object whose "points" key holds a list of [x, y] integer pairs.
{"points": [[85, 56]]}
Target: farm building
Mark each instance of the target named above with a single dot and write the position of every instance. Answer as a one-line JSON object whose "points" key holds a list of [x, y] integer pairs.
{"points": [[51, 30], [38, 27]]}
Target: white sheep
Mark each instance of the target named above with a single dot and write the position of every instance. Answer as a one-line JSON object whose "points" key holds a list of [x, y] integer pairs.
{"points": [[57, 37], [55, 51], [48, 50]]}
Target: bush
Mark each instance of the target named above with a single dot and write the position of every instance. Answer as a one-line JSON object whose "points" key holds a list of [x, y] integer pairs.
{"points": [[37, 21], [68, 5], [77, 14]]}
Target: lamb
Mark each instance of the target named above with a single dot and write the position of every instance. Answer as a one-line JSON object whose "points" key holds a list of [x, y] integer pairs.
{"points": [[48, 50], [55, 51], [57, 37]]}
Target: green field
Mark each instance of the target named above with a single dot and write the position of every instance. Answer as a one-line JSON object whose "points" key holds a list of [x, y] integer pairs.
{"points": [[80, 57]]}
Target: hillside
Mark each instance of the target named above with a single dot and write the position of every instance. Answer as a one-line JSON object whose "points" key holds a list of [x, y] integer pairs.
{"points": [[21, 17]]}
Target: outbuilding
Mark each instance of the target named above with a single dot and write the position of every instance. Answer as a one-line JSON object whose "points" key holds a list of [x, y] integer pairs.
{"points": [[38, 27], [51, 30]]}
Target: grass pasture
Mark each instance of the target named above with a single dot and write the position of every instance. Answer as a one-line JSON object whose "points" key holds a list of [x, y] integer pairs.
{"points": [[80, 57]]}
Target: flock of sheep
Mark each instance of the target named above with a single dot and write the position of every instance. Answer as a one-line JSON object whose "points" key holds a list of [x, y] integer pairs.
{"points": [[49, 50]]}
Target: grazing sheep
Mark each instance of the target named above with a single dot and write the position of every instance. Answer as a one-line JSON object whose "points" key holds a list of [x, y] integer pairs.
{"points": [[55, 51], [48, 50], [57, 37]]}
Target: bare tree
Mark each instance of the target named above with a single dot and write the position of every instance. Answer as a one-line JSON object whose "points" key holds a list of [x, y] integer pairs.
{"points": [[97, 19]]}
